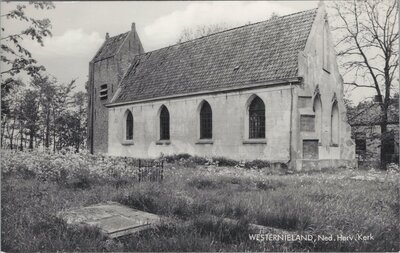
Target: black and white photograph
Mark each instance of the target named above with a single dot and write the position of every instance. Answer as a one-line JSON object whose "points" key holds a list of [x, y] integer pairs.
{"points": [[200, 126]]}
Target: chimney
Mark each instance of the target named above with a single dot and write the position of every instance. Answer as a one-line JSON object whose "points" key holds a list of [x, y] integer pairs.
{"points": [[107, 36], [133, 27], [321, 4]]}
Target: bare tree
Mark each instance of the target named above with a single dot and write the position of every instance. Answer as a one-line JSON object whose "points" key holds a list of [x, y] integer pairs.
{"points": [[368, 36], [201, 31]]}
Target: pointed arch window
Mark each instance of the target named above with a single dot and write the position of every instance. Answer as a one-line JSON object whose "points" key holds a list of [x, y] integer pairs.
{"points": [[206, 121], [335, 124], [164, 123], [317, 107], [257, 119], [129, 126]]}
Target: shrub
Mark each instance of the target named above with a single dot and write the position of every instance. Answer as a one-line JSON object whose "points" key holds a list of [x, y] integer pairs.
{"points": [[199, 160], [222, 161], [177, 157], [257, 164], [393, 167]]}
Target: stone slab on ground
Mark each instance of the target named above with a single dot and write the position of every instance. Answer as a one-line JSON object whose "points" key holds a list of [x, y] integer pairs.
{"points": [[112, 218]]}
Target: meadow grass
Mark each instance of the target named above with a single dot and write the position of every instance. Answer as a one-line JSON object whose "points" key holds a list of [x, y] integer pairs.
{"points": [[303, 203]]}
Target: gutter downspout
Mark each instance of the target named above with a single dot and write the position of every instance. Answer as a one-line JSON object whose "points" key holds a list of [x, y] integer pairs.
{"points": [[91, 66], [291, 119]]}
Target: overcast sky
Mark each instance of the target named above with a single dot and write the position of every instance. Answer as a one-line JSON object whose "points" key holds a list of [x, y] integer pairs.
{"points": [[79, 28]]}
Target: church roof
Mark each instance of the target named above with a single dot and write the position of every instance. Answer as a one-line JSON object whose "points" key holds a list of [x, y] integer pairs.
{"points": [[110, 47], [233, 58]]}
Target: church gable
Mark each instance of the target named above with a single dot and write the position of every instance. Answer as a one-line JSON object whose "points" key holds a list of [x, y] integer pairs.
{"points": [[234, 58]]}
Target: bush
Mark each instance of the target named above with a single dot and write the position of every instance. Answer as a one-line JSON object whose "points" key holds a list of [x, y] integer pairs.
{"points": [[177, 157], [199, 160], [393, 167], [77, 171], [257, 164], [222, 161]]}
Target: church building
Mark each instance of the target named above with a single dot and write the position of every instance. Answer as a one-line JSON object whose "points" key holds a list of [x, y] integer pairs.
{"points": [[269, 90]]}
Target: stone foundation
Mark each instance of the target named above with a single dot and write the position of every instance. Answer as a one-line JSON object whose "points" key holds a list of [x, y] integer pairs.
{"points": [[321, 164]]}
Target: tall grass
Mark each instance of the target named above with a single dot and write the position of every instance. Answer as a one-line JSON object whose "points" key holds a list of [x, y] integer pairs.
{"points": [[197, 200]]}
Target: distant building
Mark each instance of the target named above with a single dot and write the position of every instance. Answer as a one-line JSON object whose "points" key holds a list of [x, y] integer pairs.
{"points": [[366, 131], [269, 90]]}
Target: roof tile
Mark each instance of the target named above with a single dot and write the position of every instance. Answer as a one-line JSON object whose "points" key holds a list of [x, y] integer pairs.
{"points": [[110, 47], [263, 51]]}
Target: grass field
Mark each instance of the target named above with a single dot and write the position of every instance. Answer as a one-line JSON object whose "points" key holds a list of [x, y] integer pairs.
{"points": [[334, 202]]}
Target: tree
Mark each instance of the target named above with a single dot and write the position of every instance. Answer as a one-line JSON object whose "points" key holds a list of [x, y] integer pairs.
{"points": [[368, 35], [11, 110], [46, 93], [29, 114], [70, 118], [201, 31], [204, 30], [14, 55], [80, 111]]}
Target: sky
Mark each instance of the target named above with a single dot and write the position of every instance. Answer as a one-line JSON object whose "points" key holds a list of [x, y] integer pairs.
{"points": [[79, 28]]}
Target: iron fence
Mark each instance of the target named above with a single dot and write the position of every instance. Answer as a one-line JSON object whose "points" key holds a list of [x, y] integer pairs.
{"points": [[142, 170]]}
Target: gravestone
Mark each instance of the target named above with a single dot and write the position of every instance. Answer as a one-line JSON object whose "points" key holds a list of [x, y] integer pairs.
{"points": [[112, 218]]}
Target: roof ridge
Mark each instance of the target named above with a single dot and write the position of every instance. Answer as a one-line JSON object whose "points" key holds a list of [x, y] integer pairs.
{"points": [[113, 37], [230, 29]]}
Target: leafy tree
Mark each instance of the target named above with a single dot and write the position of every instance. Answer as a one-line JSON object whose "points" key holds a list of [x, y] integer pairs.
{"points": [[45, 112], [29, 114], [11, 110], [46, 93], [14, 55], [60, 104], [80, 101], [368, 42]]}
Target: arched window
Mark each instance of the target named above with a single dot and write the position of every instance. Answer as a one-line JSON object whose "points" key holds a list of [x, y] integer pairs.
{"points": [[129, 126], [256, 119], [335, 124], [164, 123], [205, 121]]}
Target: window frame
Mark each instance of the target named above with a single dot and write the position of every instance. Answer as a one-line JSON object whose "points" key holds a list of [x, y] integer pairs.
{"points": [[255, 132], [205, 123], [125, 139], [164, 124]]}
